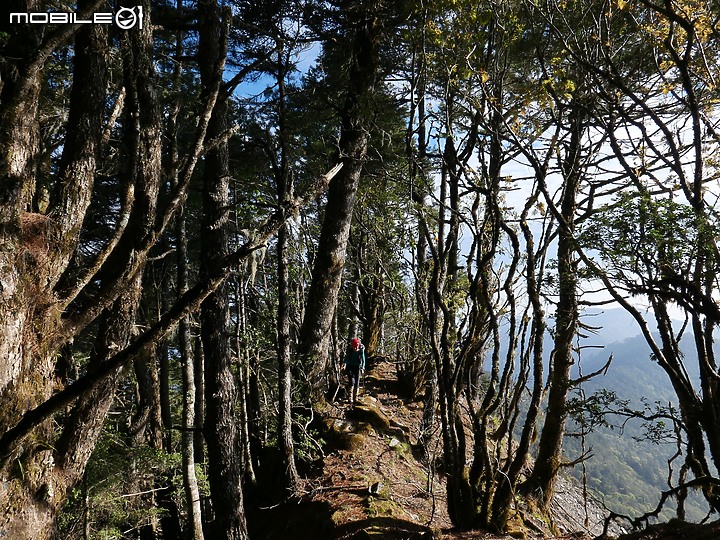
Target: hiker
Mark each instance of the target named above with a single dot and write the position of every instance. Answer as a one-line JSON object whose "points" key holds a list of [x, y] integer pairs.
{"points": [[354, 364]]}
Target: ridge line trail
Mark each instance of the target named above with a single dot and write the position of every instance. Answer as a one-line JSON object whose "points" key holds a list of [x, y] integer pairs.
{"points": [[373, 481], [370, 484], [374, 446]]}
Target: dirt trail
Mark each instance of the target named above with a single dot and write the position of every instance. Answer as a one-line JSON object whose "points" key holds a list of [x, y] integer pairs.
{"points": [[371, 485], [371, 478]]}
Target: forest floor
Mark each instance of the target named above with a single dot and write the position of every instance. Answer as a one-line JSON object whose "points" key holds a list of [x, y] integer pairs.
{"points": [[371, 485]]}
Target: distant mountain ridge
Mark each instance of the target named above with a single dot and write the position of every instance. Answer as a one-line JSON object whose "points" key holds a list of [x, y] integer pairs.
{"points": [[614, 325], [626, 472]]}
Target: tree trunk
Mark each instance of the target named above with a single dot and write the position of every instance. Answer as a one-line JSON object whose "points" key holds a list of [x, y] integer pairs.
{"points": [[285, 440], [19, 141], [547, 463], [284, 192], [368, 295], [416, 358], [85, 424], [189, 420], [247, 417], [354, 328], [332, 246], [199, 437], [30, 502], [225, 471], [502, 501], [146, 425], [163, 353], [460, 500]]}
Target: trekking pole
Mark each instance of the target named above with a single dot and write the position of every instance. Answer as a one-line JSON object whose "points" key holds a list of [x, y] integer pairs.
{"points": [[338, 375]]}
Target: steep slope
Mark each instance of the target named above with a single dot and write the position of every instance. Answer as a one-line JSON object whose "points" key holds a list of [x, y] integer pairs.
{"points": [[626, 469]]}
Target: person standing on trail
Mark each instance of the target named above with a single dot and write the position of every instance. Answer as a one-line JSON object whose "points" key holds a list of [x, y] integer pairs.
{"points": [[354, 364]]}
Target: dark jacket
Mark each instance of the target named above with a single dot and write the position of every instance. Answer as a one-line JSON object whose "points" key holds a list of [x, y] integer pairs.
{"points": [[354, 359]]}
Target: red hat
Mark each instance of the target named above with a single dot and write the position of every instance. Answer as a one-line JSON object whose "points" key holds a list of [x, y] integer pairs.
{"points": [[355, 342]]}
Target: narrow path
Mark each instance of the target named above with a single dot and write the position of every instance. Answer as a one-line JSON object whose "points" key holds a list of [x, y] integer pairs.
{"points": [[371, 478], [371, 484]]}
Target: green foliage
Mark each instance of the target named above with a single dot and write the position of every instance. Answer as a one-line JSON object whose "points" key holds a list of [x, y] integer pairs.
{"points": [[628, 475], [591, 412], [522, 64], [638, 235], [308, 440], [117, 493], [629, 419]]}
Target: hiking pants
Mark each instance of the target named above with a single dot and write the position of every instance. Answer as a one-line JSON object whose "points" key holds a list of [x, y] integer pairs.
{"points": [[354, 379]]}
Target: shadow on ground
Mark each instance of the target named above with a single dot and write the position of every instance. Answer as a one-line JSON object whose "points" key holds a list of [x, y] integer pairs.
{"points": [[382, 528], [292, 520]]}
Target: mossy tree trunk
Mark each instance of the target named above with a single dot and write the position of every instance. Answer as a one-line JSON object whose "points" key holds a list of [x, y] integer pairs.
{"points": [[450, 362], [364, 29], [284, 186], [43, 280]]}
